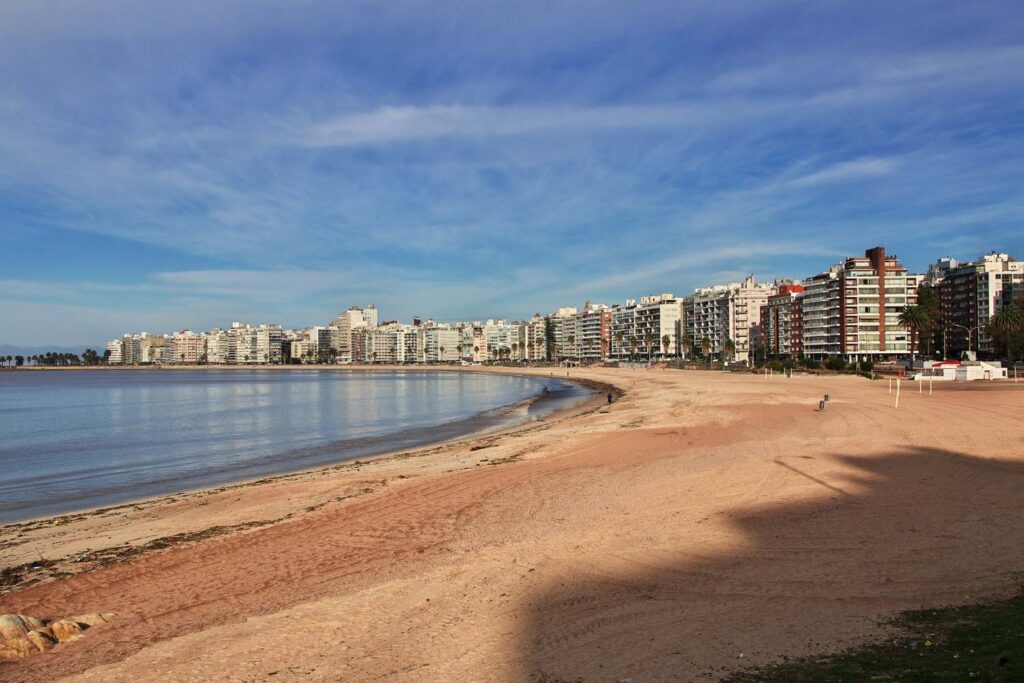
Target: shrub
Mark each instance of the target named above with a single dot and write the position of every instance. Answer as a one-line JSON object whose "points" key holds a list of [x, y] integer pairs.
{"points": [[837, 363]]}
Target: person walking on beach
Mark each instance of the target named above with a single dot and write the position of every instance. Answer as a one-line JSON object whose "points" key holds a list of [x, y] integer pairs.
{"points": [[609, 398]]}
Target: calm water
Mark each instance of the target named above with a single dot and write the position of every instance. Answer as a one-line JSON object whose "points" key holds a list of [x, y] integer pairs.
{"points": [[72, 440]]}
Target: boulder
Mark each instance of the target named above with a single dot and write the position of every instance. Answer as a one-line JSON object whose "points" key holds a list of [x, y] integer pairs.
{"points": [[65, 630], [12, 626], [42, 640], [92, 619], [22, 645], [9, 655]]}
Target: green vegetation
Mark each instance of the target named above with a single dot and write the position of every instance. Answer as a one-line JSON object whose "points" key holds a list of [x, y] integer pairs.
{"points": [[1007, 328], [837, 363], [973, 643], [915, 319]]}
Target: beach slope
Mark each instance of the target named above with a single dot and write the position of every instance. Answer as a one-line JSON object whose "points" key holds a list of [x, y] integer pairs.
{"points": [[703, 523]]}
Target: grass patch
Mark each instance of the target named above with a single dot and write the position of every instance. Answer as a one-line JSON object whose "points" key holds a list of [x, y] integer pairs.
{"points": [[972, 643]]}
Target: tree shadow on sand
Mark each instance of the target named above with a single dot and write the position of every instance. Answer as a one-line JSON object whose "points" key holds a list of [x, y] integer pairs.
{"points": [[921, 527]]}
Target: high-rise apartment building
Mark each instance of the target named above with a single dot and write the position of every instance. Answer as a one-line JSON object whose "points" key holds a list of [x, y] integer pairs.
{"points": [[782, 323], [346, 324], [853, 309], [640, 328], [116, 349], [593, 330], [186, 347], [970, 294], [724, 313]]}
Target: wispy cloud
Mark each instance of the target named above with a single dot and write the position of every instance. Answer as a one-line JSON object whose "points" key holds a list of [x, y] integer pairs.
{"points": [[394, 124], [469, 160], [847, 170]]}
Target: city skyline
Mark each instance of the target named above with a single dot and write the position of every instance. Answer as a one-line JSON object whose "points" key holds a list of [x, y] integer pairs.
{"points": [[169, 168]]}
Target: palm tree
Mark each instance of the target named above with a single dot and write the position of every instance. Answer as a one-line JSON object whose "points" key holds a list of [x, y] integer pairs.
{"points": [[572, 342], [515, 347], [729, 349], [665, 342], [687, 347], [705, 349], [915, 319], [618, 341], [1006, 324], [649, 339], [928, 299], [632, 346]]}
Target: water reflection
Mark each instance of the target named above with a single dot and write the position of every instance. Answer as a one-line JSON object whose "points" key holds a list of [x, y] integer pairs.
{"points": [[81, 439]]}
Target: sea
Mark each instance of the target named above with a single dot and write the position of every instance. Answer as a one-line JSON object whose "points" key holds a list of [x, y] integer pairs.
{"points": [[74, 440]]}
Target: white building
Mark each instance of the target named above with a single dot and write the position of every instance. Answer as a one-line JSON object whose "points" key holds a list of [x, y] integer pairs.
{"points": [[440, 345], [116, 348], [351, 320], [640, 329], [216, 345]]}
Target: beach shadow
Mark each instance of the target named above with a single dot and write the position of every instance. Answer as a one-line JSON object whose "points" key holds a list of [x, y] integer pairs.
{"points": [[915, 528]]}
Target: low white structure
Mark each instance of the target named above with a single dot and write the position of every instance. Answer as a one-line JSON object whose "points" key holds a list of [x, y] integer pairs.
{"points": [[960, 371]]}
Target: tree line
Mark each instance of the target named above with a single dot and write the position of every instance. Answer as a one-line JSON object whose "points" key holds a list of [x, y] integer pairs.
{"points": [[51, 359]]}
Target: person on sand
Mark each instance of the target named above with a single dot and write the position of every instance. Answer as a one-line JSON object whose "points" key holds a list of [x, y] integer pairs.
{"points": [[609, 398]]}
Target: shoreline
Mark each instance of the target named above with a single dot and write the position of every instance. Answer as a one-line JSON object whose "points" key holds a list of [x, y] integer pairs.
{"points": [[16, 577], [699, 516], [595, 391]]}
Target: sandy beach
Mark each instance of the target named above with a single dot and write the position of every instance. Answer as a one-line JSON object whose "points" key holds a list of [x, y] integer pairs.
{"points": [[701, 524]]}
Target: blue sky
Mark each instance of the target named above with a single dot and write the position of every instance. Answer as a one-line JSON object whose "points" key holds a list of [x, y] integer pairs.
{"points": [[173, 165]]}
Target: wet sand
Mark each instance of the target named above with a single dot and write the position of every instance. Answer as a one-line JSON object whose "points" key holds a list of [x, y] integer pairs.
{"points": [[701, 516]]}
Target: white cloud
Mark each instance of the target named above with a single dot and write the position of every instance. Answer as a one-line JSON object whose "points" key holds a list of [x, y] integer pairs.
{"points": [[856, 169], [393, 124]]}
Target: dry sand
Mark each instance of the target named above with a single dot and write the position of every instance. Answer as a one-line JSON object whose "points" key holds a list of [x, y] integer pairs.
{"points": [[702, 516]]}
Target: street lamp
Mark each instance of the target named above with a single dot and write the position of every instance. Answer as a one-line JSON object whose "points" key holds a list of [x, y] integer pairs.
{"points": [[969, 331]]}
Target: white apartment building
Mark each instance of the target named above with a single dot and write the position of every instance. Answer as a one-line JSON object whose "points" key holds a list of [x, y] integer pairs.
{"points": [[536, 349], [153, 349], [473, 341], [268, 344], [395, 343], [216, 346], [592, 329], [727, 312], [254, 345], [821, 309], [563, 328], [639, 329], [353, 319], [303, 350], [707, 317], [116, 348], [504, 339], [440, 345]]}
